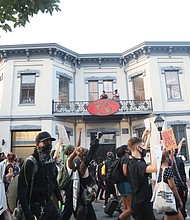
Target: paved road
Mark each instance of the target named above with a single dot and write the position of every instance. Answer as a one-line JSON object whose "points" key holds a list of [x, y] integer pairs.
{"points": [[102, 216]]}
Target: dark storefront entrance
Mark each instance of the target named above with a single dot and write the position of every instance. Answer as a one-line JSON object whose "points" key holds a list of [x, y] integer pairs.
{"points": [[107, 143]]}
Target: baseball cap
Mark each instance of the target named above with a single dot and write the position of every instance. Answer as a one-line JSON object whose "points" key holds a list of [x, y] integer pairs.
{"points": [[43, 136]]}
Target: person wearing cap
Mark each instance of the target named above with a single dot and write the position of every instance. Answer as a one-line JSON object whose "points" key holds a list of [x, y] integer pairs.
{"points": [[44, 184], [68, 205], [78, 166]]}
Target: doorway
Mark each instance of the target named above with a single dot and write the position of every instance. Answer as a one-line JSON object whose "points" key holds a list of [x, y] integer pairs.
{"points": [[107, 143]]}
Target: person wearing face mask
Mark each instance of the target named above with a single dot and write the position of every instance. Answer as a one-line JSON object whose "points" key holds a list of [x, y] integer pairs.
{"points": [[44, 183], [138, 174], [171, 180]]}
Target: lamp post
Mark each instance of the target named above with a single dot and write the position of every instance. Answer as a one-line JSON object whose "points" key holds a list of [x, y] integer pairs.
{"points": [[159, 121]]}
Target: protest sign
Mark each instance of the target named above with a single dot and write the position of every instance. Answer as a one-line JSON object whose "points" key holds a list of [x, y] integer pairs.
{"points": [[147, 124], [63, 135], [168, 138]]}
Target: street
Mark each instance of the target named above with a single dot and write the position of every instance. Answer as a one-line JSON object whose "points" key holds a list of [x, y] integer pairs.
{"points": [[102, 216]]}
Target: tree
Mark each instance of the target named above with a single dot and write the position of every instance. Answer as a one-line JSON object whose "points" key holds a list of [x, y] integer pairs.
{"points": [[18, 12]]}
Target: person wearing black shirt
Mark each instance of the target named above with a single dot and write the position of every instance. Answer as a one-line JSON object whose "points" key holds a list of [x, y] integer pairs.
{"points": [[38, 203], [138, 173], [104, 95], [179, 171]]}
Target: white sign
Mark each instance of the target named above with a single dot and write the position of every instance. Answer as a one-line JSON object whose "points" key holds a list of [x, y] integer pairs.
{"points": [[147, 124], [63, 135], [158, 153], [3, 203]]}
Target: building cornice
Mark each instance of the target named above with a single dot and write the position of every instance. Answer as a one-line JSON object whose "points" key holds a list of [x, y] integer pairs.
{"points": [[73, 59]]}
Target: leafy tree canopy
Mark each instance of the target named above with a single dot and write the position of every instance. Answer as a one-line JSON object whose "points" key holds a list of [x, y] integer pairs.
{"points": [[18, 12]]}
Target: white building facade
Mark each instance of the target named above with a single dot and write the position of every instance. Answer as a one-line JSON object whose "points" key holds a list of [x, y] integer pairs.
{"points": [[42, 85]]}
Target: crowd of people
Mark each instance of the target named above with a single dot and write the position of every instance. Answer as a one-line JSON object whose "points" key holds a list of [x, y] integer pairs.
{"points": [[41, 197]]}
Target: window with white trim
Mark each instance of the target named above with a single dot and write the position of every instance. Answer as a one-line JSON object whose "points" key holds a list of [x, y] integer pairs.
{"points": [[172, 85], [27, 95], [93, 90], [138, 87], [63, 89], [108, 88]]}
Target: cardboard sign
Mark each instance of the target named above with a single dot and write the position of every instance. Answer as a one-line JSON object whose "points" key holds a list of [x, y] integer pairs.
{"points": [[168, 138]]}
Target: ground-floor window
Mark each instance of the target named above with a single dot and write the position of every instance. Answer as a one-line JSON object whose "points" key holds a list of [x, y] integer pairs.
{"points": [[180, 132], [23, 142]]}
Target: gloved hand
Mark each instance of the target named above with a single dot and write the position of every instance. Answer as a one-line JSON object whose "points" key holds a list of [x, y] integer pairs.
{"points": [[61, 206]]}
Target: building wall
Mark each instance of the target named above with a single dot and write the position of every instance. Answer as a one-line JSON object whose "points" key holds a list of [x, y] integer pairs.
{"points": [[16, 116]]}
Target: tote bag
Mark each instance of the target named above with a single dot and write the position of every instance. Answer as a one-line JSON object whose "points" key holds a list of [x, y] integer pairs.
{"points": [[164, 197]]}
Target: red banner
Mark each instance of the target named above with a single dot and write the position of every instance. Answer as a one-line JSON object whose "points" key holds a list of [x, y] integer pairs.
{"points": [[102, 107]]}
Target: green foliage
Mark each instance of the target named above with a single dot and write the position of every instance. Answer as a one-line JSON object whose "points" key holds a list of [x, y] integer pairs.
{"points": [[18, 12]]}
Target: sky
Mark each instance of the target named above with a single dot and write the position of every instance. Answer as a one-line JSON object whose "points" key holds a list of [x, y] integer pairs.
{"points": [[106, 26]]}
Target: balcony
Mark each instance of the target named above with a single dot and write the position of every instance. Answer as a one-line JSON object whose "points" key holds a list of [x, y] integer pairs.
{"points": [[77, 108]]}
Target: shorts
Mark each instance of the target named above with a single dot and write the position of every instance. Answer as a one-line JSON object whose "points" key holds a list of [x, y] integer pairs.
{"points": [[173, 213], [124, 188]]}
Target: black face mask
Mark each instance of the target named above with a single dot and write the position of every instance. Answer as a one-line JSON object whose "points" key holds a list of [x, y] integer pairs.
{"points": [[143, 152], [44, 153]]}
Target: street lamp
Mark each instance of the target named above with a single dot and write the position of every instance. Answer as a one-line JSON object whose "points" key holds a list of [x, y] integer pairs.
{"points": [[159, 121]]}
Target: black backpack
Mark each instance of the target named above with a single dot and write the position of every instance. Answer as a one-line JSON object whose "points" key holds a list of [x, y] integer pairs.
{"points": [[114, 172]]}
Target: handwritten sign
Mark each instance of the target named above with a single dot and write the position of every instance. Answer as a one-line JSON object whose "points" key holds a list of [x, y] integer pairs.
{"points": [[63, 134], [169, 140], [103, 107]]}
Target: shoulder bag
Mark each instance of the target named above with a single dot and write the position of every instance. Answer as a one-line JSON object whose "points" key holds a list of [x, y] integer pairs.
{"points": [[164, 198]]}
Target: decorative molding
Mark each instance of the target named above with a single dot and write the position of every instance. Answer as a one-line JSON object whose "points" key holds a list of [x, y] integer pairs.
{"points": [[25, 127], [171, 68], [58, 74], [28, 71], [103, 130], [179, 122], [99, 79], [142, 72]]}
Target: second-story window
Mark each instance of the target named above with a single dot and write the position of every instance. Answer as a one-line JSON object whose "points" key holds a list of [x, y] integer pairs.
{"points": [[93, 90], [108, 88], [172, 85], [27, 88], [63, 89], [138, 86]]}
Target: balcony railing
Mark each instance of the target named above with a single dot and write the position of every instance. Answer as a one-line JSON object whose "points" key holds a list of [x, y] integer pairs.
{"points": [[81, 106]]}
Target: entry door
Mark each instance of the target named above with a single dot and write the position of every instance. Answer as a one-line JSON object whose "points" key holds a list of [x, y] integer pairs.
{"points": [[107, 143]]}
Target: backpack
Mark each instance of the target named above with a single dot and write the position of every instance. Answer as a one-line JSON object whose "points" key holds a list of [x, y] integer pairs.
{"points": [[63, 177], [114, 172], [12, 196]]}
